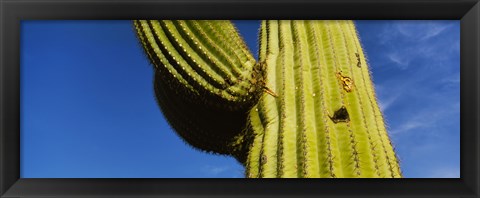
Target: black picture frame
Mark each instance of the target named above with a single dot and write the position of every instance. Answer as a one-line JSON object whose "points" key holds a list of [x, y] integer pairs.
{"points": [[13, 11]]}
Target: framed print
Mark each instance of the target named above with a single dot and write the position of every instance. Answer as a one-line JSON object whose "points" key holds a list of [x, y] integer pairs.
{"points": [[205, 98]]}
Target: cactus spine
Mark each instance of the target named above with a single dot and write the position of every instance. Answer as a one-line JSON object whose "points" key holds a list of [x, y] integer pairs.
{"points": [[307, 108]]}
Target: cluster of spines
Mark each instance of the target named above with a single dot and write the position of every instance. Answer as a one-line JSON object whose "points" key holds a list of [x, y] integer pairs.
{"points": [[317, 68]]}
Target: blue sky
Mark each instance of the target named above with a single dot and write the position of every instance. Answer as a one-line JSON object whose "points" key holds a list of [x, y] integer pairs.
{"points": [[88, 109]]}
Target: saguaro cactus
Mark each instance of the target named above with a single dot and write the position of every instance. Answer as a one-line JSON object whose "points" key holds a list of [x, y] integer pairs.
{"points": [[306, 108]]}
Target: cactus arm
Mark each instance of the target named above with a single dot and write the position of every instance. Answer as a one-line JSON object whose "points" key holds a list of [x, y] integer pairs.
{"points": [[205, 81]]}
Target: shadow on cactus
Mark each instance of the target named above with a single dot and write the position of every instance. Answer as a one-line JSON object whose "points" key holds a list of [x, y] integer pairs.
{"points": [[306, 108]]}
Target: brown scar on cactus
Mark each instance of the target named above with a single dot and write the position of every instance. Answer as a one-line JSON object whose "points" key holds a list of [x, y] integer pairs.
{"points": [[359, 64], [340, 115]]}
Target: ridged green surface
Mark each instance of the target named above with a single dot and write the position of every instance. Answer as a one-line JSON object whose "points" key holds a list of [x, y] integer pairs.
{"points": [[311, 66], [207, 60], [306, 109]]}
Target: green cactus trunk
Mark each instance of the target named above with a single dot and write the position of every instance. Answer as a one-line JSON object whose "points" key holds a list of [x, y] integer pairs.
{"points": [[307, 108]]}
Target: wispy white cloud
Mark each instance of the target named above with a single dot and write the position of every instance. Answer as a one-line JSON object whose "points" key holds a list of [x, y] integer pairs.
{"points": [[409, 125], [433, 31], [420, 30], [384, 104], [400, 60], [433, 52], [420, 41], [414, 31], [397, 96], [427, 118], [386, 96]]}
